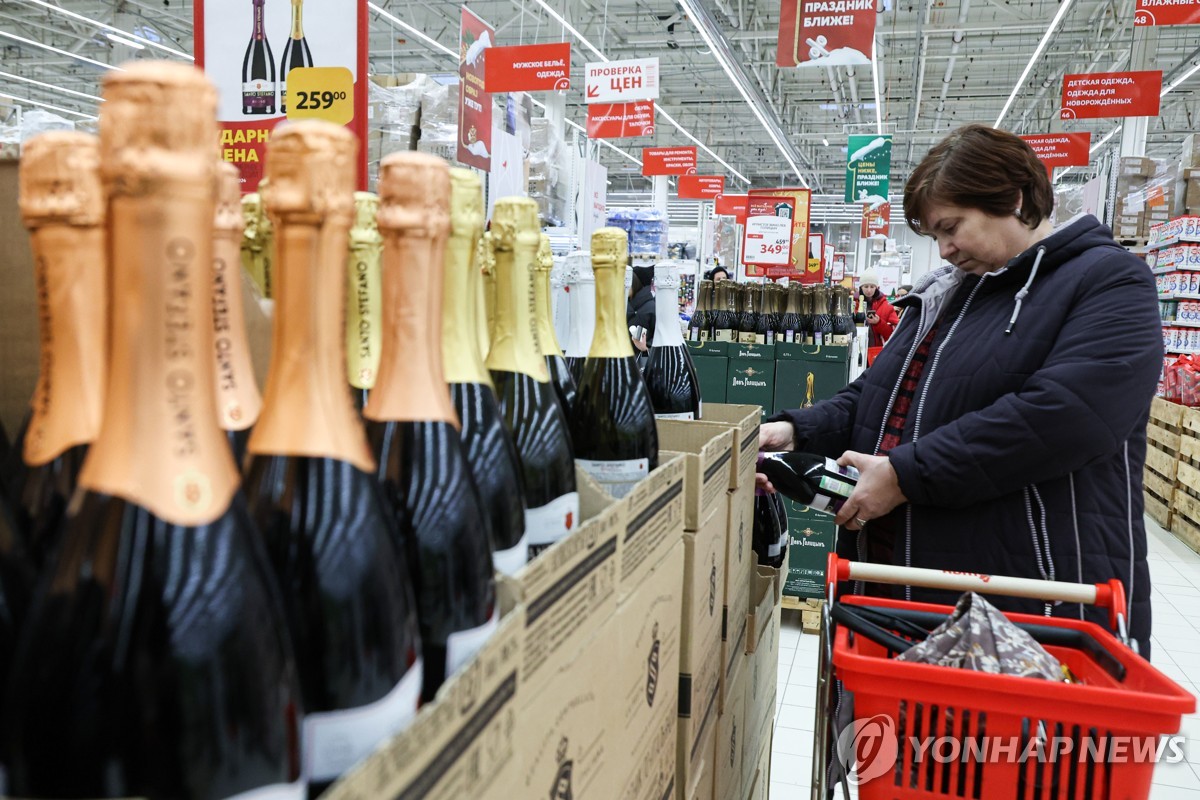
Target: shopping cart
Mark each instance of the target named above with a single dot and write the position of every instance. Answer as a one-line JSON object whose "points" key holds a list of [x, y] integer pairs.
{"points": [[923, 731]]}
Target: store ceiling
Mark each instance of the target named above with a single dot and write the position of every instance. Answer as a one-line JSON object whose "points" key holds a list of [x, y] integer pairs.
{"points": [[940, 65]]}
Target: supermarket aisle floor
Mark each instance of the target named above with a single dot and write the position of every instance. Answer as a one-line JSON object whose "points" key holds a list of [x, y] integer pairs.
{"points": [[1175, 571]]}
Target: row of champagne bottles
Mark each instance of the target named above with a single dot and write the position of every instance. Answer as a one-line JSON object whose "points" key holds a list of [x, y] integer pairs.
{"points": [[767, 313], [176, 623]]}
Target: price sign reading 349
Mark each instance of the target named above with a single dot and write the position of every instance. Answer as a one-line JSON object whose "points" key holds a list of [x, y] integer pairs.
{"points": [[768, 234], [321, 93]]}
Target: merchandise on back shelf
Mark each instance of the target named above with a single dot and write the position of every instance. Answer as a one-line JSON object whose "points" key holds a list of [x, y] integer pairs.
{"points": [[394, 117], [439, 120], [547, 166]]}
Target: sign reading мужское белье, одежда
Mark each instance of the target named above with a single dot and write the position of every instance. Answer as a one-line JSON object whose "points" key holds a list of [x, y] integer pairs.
{"points": [[825, 33]]}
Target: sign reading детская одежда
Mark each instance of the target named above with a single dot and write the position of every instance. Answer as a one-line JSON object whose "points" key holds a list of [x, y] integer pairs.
{"points": [[1167, 12], [1096, 95], [825, 33], [1061, 149]]}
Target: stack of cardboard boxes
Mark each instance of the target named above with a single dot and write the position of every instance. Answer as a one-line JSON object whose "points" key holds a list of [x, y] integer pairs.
{"points": [[635, 659], [1146, 195]]}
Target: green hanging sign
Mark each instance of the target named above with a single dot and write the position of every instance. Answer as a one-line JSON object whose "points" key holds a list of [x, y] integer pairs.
{"points": [[868, 164]]}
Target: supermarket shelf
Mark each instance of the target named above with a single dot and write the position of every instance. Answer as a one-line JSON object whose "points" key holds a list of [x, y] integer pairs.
{"points": [[1171, 323], [1187, 238], [1181, 351], [1177, 296], [1176, 268]]}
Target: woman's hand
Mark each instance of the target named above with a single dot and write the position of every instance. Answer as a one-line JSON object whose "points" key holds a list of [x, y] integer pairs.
{"points": [[640, 344], [877, 493], [772, 438]]}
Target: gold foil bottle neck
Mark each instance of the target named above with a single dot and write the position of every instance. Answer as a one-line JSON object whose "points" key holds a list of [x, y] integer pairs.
{"points": [[414, 194], [229, 218], [365, 230], [610, 249], [545, 256], [60, 180], [513, 217], [487, 254], [251, 214], [311, 163], [466, 203], [158, 122]]}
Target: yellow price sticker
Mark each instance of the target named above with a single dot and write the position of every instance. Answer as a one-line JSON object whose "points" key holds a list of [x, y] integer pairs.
{"points": [[321, 93]]}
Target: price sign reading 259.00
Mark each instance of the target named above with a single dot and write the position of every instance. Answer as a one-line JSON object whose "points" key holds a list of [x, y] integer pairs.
{"points": [[321, 93]]}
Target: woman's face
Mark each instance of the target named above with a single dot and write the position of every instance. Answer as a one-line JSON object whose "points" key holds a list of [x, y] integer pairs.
{"points": [[869, 289], [974, 241]]}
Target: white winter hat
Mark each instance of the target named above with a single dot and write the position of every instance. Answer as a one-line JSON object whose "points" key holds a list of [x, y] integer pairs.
{"points": [[868, 277]]}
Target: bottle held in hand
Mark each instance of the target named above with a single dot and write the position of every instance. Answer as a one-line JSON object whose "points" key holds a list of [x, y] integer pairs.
{"points": [[813, 480], [770, 534]]}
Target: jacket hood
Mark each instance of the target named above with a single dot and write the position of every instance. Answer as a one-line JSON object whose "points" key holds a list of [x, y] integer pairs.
{"points": [[1066, 242]]}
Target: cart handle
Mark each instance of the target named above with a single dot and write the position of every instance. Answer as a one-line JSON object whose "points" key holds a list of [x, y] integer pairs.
{"points": [[1109, 595]]}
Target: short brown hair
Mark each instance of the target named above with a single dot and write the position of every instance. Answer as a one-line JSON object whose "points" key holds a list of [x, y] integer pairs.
{"points": [[984, 168]]}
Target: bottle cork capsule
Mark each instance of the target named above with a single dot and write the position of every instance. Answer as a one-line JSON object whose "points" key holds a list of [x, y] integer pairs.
{"points": [[466, 203], [545, 257], [610, 248], [60, 180], [512, 218], [414, 194], [158, 122], [310, 164], [228, 218]]}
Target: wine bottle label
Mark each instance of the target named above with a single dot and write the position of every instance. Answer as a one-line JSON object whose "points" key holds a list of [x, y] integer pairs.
{"points": [[462, 646], [364, 308], [839, 340], [278, 791], [510, 561], [258, 94], [688, 415], [770, 338], [789, 337], [334, 741], [725, 335], [748, 338], [617, 477], [552, 522]]}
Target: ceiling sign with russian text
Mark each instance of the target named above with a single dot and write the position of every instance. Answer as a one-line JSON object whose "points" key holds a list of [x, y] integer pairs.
{"points": [[1099, 95]]}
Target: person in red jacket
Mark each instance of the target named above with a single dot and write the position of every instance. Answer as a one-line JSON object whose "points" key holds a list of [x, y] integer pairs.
{"points": [[881, 316]]}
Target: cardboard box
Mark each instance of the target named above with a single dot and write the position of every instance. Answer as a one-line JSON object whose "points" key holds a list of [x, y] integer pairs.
{"points": [[760, 788], [799, 384], [1136, 166], [646, 671], [570, 590], [700, 786], [752, 382], [812, 352], [745, 421], [567, 726], [655, 523], [812, 536], [463, 744], [730, 759], [762, 664], [708, 459], [739, 567], [1190, 156], [709, 347], [700, 654]]}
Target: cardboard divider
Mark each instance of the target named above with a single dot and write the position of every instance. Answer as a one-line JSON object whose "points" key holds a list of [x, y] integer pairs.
{"points": [[460, 745], [762, 662], [731, 759], [744, 420], [655, 522], [739, 566], [708, 461], [701, 780]]}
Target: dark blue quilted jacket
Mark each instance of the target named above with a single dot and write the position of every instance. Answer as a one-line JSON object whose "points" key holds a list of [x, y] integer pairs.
{"points": [[1023, 451]]}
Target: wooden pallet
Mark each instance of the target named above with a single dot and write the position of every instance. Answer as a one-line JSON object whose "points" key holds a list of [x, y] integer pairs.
{"points": [[1163, 436], [1185, 503], [810, 612]]}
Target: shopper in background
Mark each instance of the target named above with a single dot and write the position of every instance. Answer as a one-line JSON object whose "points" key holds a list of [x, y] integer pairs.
{"points": [[717, 274], [903, 289], [1003, 430], [639, 312], [880, 315]]}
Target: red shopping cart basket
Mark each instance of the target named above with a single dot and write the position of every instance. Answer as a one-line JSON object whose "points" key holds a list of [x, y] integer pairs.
{"points": [[933, 731]]}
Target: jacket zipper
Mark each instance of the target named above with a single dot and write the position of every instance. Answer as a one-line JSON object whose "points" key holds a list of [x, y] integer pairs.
{"points": [[920, 409]]}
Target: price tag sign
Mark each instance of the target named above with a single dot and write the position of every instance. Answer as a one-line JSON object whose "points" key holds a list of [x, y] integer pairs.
{"points": [[321, 93], [768, 238]]}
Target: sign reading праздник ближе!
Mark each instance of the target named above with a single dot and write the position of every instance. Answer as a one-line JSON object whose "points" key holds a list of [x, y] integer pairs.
{"points": [[273, 60], [868, 166], [825, 33]]}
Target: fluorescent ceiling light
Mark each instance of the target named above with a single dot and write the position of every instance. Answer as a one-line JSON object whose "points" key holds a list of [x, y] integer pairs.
{"points": [[66, 53], [52, 87], [1062, 12], [127, 42], [1104, 141], [702, 20], [399, 23], [81, 18], [824, 141], [50, 106], [1178, 81]]}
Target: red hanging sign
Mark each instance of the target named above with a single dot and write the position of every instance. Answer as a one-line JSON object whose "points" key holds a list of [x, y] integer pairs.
{"points": [[1167, 12], [700, 187], [876, 220], [620, 120], [474, 105], [1061, 149], [528, 68], [1097, 95], [668, 161], [825, 33], [732, 205]]}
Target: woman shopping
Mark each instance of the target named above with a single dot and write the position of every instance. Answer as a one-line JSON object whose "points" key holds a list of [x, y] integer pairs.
{"points": [[881, 317], [1003, 429]]}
